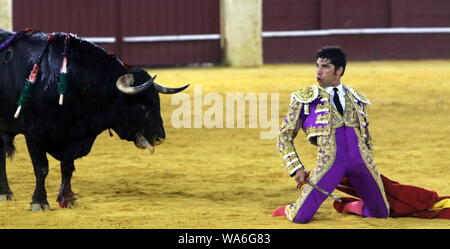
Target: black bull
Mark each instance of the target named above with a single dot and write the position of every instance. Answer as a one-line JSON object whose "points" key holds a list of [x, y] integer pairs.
{"points": [[102, 93]]}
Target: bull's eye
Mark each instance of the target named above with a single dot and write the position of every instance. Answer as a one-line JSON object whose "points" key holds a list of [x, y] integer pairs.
{"points": [[8, 55]]}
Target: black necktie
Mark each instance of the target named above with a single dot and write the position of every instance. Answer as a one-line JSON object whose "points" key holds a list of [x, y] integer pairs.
{"points": [[337, 102]]}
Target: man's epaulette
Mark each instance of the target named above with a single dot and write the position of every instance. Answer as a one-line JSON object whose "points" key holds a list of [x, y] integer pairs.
{"points": [[306, 95], [359, 96]]}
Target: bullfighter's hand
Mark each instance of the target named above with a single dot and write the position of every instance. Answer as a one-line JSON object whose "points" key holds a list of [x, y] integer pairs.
{"points": [[301, 177]]}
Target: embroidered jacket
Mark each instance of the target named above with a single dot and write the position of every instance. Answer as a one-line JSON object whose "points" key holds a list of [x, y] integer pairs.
{"points": [[311, 110]]}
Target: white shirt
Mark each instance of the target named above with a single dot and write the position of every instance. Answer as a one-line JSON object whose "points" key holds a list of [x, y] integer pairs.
{"points": [[341, 93]]}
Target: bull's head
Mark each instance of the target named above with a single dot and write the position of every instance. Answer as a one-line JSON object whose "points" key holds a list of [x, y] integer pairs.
{"points": [[141, 119]]}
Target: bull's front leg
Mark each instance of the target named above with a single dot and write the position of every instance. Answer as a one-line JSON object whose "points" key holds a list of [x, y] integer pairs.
{"points": [[66, 198], [5, 191], [40, 166]]}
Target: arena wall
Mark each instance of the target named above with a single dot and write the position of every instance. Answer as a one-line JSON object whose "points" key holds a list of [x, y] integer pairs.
{"points": [[140, 32], [242, 32], [368, 30]]}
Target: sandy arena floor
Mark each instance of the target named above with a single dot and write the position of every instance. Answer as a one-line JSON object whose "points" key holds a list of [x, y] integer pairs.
{"points": [[230, 177]]}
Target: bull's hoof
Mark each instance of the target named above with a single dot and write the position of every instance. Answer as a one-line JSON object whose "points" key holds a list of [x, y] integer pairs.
{"points": [[67, 200], [40, 207], [67, 203], [6, 197]]}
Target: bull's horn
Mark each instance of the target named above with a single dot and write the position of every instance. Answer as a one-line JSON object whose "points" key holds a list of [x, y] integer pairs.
{"points": [[125, 84], [168, 90]]}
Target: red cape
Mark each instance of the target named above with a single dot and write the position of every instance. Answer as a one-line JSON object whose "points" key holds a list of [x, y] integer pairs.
{"points": [[404, 200]]}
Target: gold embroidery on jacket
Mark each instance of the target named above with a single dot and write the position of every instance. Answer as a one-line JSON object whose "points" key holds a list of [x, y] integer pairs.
{"points": [[351, 115], [323, 118], [359, 96], [307, 94], [325, 107], [288, 131], [350, 118], [362, 119]]}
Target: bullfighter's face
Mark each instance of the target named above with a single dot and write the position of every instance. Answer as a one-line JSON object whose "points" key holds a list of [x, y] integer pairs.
{"points": [[327, 74]]}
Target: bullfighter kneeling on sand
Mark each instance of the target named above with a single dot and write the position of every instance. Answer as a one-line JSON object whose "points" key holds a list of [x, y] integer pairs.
{"points": [[334, 118]]}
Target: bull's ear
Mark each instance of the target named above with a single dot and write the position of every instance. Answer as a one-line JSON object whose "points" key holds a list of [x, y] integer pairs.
{"points": [[168, 90], [125, 84]]}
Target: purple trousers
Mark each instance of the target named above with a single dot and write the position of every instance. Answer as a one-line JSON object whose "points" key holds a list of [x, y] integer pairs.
{"points": [[348, 162]]}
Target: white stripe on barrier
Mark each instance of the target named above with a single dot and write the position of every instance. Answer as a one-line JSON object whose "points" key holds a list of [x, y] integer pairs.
{"points": [[100, 39], [324, 32], [171, 38], [267, 34]]}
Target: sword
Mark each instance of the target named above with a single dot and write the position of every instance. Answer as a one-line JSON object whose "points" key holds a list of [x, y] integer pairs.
{"points": [[323, 191]]}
